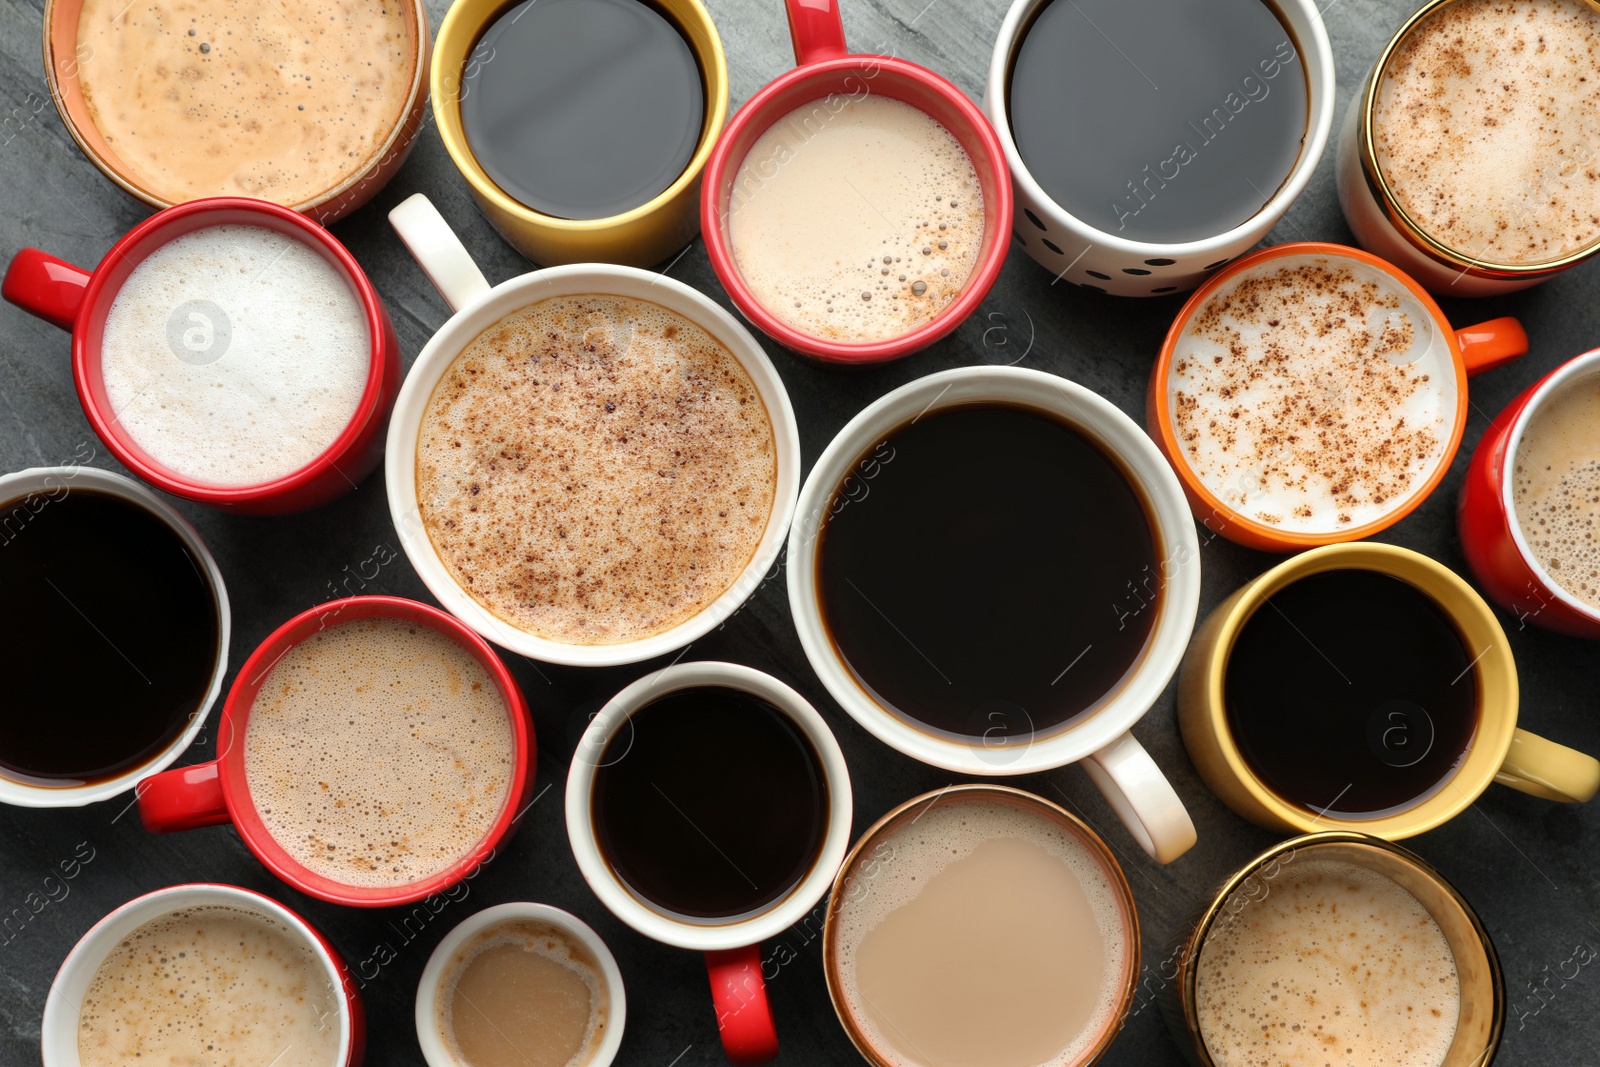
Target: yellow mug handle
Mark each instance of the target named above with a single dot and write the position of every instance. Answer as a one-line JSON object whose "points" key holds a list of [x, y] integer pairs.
{"points": [[1546, 769]]}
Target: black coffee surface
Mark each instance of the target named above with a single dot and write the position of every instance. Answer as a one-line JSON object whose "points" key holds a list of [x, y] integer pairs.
{"points": [[1350, 691], [995, 576], [582, 109], [710, 803], [114, 641], [1158, 120]]}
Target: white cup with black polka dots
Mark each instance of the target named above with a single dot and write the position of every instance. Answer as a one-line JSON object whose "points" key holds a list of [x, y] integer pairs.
{"points": [[1094, 254]]}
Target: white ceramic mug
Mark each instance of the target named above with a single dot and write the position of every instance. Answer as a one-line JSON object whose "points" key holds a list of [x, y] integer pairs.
{"points": [[26, 491], [477, 307], [1132, 783], [732, 946], [1071, 249], [58, 1033], [427, 1012]]}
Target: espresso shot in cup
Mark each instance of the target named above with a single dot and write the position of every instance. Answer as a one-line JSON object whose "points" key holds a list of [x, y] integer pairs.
{"points": [[708, 806], [1149, 144], [857, 208], [582, 126], [227, 351], [1363, 687], [1312, 393], [981, 924], [121, 640], [1470, 154], [311, 108], [1336, 941], [256, 980], [521, 985], [1530, 503], [373, 751]]}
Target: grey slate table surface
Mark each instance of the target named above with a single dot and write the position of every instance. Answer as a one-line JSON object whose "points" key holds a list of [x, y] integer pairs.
{"points": [[1519, 860]]}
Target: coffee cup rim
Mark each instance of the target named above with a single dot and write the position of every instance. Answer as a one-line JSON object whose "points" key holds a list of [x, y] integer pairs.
{"points": [[59, 1028], [1300, 18], [761, 112], [233, 725], [711, 936], [159, 230], [427, 999], [1475, 624], [19, 485], [1085, 834], [515, 294], [1146, 470], [1225, 518], [1578, 367]]}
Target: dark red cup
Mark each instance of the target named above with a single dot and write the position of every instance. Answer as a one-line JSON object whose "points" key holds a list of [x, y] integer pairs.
{"points": [[206, 794], [826, 68], [78, 301], [1491, 538]]}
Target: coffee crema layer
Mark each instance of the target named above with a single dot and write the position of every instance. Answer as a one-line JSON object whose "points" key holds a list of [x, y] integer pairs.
{"points": [[378, 752], [1335, 965], [1312, 394], [283, 101], [1556, 488], [235, 355], [210, 986], [522, 993], [980, 932], [595, 469], [1486, 126], [856, 219]]}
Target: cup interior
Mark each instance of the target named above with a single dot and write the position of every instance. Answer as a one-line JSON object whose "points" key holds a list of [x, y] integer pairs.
{"points": [[234, 727], [826, 85], [134, 249], [59, 1030]]}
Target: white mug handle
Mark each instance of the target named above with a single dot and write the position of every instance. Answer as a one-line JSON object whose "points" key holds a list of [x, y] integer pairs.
{"points": [[1142, 798], [438, 251]]}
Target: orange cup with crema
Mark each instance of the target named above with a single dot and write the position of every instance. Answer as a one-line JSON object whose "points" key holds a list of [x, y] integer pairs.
{"points": [[1313, 393]]}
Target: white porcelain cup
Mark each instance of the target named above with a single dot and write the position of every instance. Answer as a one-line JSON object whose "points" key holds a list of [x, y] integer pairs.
{"points": [[477, 306], [23, 494], [1101, 738], [1075, 251], [58, 1033], [732, 946], [434, 1049]]}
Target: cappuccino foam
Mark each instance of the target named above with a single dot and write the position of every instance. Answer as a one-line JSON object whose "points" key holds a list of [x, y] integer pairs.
{"points": [[1312, 394], [1337, 965], [856, 219], [595, 469], [210, 986], [980, 932], [1487, 128], [378, 752], [235, 355], [1556, 488]]}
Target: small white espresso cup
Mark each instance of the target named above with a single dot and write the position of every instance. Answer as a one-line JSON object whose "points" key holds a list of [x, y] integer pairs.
{"points": [[1102, 739], [429, 994], [477, 307], [58, 1033], [25, 492], [1072, 249]]}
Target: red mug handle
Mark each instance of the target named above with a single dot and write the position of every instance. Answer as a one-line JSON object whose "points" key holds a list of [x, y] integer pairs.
{"points": [[816, 29], [1491, 344], [740, 996], [184, 798], [43, 285]]}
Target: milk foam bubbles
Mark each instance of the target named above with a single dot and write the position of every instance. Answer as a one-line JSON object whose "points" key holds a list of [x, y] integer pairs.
{"points": [[235, 355], [1556, 487], [1314, 394], [1336, 965]]}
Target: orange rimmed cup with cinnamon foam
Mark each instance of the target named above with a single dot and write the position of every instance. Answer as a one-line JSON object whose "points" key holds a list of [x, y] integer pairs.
{"points": [[1313, 393]]}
